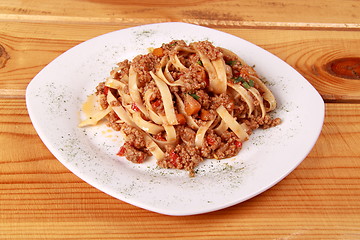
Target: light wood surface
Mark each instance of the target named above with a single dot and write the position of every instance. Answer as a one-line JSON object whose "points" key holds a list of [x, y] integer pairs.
{"points": [[320, 199]]}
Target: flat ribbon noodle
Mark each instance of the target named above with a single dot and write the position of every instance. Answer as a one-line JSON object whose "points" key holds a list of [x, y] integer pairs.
{"points": [[167, 100], [153, 115], [221, 128], [145, 125], [94, 119], [219, 65], [232, 123], [114, 83], [258, 97], [232, 55], [154, 148], [134, 91], [245, 96], [216, 85], [166, 76], [200, 134], [181, 108], [267, 95], [176, 62]]}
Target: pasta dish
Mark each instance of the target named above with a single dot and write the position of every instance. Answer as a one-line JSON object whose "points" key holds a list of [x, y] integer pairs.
{"points": [[183, 103]]}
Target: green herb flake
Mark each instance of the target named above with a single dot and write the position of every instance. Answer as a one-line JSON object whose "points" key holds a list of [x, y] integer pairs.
{"points": [[194, 96], [231, 63], [251, 83], [200, 63], [246, 85], [239, 79]]}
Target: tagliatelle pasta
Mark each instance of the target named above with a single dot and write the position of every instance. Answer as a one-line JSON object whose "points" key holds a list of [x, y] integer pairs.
{"points": [[183, 103]]}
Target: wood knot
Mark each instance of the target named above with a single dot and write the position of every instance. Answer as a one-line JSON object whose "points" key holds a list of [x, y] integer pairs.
{"points": [[344, 67], [4, 56]]}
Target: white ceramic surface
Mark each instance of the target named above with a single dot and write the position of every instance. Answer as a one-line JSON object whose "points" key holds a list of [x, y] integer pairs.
{"points": [[54, 98]]}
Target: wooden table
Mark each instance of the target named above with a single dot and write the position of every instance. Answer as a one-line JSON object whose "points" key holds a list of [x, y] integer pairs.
{"points": [[41, 199]]}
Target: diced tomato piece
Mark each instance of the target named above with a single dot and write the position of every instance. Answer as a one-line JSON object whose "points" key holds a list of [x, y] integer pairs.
{"points": [[106, 90], [156, 103], [121, 152], [160, 137], [238, 144], [180, 118], [140, 159], [210, 140], [174, 157], [134, 107]]}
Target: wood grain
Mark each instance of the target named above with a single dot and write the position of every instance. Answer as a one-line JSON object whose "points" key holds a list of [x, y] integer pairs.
{"points": [[320, 199], [256, 13], [308, 52], [40, 198]]}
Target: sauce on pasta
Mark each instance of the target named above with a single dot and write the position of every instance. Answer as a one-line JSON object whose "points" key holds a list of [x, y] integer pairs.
{"points": [[183, 103]]}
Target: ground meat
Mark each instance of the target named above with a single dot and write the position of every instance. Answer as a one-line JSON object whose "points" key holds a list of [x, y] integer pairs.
{"points": [[186, 134], [134, 136], [133, 154], [124, 65], [169, 47], [121, 71], [101, 93], [183, 156], [266, 122], [142, 65], [243, 71], [194, 78], [208, 49], [103, 101], [228, 149], [134, 148], [222, 99], [241, 109], [112, 117], [211, 142], [192, 59], [204, 99]]}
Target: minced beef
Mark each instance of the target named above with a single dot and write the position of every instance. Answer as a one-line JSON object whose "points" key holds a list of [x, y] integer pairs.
{"points": [[112, 119], [222, 99], [194, 78], [209, 50], [134, 148], [133, 154], [142, 65], [183, 156], [134, 136]]}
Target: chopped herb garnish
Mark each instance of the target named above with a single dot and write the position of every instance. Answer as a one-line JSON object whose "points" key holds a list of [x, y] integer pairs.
{"points": [[251, 83], [194, 96], [200, 63], [246, 85], [231, 63], [239, 79]]}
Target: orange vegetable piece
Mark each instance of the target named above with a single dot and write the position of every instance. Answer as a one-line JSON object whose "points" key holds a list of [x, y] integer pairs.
{"points": [[180, 118], [159, 52], [192, 106]]}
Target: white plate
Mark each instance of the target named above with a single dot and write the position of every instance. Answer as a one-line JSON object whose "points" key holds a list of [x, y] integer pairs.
{"points": [[55, 95]]}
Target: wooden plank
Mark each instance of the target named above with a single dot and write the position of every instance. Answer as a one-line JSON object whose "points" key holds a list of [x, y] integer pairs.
{"points": [[40, 198], [28, 47], [291, 13]]}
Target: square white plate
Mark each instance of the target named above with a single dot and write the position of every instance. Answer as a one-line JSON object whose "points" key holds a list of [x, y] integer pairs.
{"points": [[54, 98]]}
